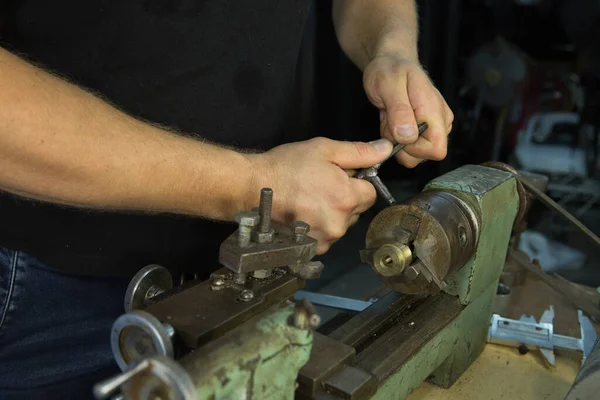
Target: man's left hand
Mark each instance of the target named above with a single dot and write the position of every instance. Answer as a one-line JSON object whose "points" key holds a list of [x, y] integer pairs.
{"points": [[405, 96]]}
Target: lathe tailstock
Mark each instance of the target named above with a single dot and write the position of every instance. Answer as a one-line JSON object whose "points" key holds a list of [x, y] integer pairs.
{"points": [[238, 336]]}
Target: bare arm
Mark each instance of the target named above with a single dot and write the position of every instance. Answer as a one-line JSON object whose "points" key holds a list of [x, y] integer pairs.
{"points": [[367, 28], [62, 144]]}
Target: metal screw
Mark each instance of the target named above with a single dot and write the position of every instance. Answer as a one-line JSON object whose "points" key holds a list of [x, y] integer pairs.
{"points": [[246, 295], [523, 349], [301, 228], [314, 321], [170, 330], [462, 236], [217, 283], [266, 204], [246, 220]]}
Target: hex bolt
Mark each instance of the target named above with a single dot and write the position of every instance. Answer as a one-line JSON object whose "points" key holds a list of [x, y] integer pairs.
{"points": [[301, 228], [247, 220], [246, 295], [462, 236], [266, 204]]}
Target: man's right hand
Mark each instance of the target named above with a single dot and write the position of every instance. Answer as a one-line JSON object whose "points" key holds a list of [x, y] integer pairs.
{"points": [[311, 182]]}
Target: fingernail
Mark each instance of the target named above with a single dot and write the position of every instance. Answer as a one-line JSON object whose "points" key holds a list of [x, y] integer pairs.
{"points": [[405, 130], [382, 145]]}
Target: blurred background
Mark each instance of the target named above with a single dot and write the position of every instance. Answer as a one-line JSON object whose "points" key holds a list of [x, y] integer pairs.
{"points": [[523, 80]]}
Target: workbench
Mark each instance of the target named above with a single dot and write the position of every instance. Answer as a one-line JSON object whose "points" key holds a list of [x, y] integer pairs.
{"points": [[500, 372]]}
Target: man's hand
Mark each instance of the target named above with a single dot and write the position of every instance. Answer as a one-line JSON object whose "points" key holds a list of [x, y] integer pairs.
{"points": [[405, 97], [311, 182]]}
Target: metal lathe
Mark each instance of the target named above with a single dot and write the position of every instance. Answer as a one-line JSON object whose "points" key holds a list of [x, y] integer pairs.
{"points": [[238, 335]]}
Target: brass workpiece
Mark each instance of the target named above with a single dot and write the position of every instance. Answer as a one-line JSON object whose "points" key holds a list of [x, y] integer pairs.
{"points": [[391, 258]]}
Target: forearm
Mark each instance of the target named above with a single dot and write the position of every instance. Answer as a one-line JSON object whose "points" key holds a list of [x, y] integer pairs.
{"points": [[367, 28], [60, 143]]}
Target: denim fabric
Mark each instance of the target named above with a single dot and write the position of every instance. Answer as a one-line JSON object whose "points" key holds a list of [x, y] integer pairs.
{"points": [[54, 329]]}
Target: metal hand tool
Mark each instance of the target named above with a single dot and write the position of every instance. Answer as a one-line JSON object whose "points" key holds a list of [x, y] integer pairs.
{"points": [[370, 174], [532, 334]]}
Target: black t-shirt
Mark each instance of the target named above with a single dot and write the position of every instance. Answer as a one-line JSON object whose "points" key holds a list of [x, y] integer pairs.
{"points": [[222, 69]]}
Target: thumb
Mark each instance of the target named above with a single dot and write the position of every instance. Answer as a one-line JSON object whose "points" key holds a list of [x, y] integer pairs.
{"points": [[401, 122], [352, 155]]}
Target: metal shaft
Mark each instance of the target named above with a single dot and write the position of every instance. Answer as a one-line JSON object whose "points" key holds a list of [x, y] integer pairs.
{"points": [[370, 174], [266, 204], [106, 388], [560, 210], [422, 128], [382, 190]]}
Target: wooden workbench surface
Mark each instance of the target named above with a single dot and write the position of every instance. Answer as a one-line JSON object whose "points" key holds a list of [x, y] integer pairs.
{"points": [[502, 373]]}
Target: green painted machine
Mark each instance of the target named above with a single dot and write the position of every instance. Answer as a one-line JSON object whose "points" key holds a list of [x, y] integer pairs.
{"points": [[238, 335]]}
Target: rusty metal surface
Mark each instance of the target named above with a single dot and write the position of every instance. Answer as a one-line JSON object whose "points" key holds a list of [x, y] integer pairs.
{"points": [[442, 230], [328, 356], [199, 314], [523, 198], [282, 251], [397, 345], [260, 359]]}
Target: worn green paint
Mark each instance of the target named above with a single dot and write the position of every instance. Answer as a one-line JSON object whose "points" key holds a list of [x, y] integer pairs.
{"points": [[259, 360], [448, 354], [494, 193]]}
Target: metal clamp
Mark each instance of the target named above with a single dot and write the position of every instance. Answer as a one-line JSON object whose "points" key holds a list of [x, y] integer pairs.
{"points": [[259, 246]]}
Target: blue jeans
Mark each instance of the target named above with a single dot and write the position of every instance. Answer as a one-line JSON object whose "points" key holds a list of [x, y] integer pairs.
{"points": [[54, 329]]}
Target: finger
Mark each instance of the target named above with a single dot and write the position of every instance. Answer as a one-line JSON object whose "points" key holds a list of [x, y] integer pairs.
{"points": [[353, 220], [431, 146], [351, 173], [322, 247], [366, 195], [384, 132], [429, 106], [401, 124], [407, 160], [352, 155], [449, 115]]}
